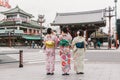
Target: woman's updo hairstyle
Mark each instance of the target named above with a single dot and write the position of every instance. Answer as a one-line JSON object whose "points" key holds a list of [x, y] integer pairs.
{"points": [[80, 32], [49, 31], [64, 29]]}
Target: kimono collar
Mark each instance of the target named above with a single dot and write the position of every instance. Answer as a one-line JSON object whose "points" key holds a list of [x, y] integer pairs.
{"points": [[79, 36]]}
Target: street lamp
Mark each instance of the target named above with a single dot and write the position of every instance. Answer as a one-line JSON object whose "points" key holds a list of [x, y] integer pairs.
{"points": [[116, 22], [115, 9], [41, 20], [109, 11], [10, 34]]}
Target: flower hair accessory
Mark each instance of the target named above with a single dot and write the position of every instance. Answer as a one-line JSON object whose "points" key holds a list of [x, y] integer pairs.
{"points": [[78, 32]]}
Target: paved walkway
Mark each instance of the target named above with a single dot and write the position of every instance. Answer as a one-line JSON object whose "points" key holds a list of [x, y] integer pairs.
{"points": [[35, 70], [93, 71]]}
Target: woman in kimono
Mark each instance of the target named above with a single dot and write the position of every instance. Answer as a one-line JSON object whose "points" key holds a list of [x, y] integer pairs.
{"points": [[79, 52], [50, 41], [65, 39]]}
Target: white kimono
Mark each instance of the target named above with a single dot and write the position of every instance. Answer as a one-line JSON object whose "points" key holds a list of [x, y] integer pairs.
{"points": [[78, 54]]}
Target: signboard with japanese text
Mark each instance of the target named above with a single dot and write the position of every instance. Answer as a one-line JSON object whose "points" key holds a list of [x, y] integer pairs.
{"points": [[5, 3]]}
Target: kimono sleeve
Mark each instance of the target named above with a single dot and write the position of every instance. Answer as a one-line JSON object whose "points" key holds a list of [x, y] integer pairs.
{"points": [[74, 41]]}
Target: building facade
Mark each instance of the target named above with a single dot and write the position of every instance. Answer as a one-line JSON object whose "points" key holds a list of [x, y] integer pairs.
{"points": [[18, 28]]}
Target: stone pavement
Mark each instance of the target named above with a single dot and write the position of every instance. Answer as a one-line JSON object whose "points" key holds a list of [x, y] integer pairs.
{"points": [[35, 69], [93, 71]]}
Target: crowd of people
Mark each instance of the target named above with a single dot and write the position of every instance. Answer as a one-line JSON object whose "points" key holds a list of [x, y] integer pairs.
{"points": [[66, 43]]}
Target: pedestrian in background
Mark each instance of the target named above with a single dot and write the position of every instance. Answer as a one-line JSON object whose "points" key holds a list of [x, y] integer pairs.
{"points": [[65, 40], [98, 43], [50, 44], [33, 44], [79, 48]]}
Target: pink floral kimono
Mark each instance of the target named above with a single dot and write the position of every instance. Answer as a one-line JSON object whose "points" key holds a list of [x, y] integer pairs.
{"points": [[65, 54], [50, 53]]}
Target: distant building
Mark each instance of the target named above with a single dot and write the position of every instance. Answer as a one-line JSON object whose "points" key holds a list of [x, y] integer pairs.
{"points": [[89, 21], [17, 27]]}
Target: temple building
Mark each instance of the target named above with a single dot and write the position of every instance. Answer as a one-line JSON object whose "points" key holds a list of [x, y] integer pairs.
{"points": [[89, 21], [17, 27]]}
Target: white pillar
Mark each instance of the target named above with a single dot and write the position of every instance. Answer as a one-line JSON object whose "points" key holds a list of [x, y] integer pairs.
{"points": [[5, 28], [18, 27], [27, 30], [85, 33]]}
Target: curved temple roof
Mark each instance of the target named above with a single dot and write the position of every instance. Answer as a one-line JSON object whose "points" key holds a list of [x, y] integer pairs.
{"points": [[80, 17], [16, 10]]}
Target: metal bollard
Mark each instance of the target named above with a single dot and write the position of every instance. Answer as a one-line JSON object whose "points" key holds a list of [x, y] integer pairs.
{"points": [[21, 58]]}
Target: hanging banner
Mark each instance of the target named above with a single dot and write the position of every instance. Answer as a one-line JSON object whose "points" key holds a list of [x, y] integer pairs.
{"points": [[5, 3]]}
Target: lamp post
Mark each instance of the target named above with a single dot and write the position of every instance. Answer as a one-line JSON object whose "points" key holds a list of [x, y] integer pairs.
{"points": [[10, 34], [116, 23], [109, 10], [41, 20]]}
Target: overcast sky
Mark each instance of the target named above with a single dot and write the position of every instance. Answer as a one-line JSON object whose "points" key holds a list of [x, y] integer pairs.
{"points": [[50, 7]]}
